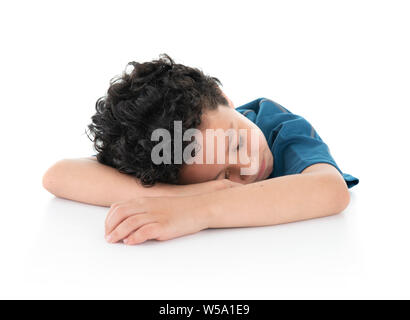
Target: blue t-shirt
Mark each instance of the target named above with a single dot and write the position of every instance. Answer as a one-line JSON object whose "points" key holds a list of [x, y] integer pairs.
{"points": [[294, 143]]}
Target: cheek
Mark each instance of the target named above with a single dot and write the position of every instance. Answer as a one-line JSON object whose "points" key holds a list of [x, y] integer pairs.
{"points": [[256, 145], [198, 173], [260, 141]]}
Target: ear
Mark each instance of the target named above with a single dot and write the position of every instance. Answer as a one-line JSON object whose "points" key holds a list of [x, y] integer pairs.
{"points": [[229, 100]]}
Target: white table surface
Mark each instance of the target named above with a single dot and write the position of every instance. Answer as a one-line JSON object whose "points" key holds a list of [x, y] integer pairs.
{"points": [[346, 71]]}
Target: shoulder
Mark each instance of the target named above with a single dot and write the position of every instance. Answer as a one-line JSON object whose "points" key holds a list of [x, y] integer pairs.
{"points": [[264, 105]]}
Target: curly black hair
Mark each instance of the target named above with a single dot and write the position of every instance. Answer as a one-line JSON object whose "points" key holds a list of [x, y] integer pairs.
{"points": [[153, 95]]}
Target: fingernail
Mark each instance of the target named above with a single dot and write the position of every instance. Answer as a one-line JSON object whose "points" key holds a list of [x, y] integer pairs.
{"points": [[125, 241], [108, 238]]}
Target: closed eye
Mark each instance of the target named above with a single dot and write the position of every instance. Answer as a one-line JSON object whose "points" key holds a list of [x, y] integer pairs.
{"points": [[240, 144]]}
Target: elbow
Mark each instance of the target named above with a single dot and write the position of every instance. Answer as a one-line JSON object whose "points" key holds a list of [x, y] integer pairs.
{"points": [[339, 195], [341, 200], [47, 182], [333, 194], [50, 180]]}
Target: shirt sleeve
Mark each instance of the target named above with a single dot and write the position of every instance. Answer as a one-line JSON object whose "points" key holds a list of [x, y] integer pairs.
{"points": [[294, 142], [298, 146]]}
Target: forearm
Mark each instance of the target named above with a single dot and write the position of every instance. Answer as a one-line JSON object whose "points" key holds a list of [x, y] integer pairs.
{"points": [[88, 181], [275, 201]]}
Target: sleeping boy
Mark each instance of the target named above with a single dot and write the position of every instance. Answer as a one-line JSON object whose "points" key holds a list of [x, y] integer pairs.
{"points": [[174, 157]]}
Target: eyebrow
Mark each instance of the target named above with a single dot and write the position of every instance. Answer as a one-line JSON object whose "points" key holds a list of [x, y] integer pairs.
{"points": [[227, 148]]}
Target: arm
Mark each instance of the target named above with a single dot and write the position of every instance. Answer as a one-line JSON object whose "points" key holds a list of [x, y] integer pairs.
{"points": [[86, 180], [318, 191]]}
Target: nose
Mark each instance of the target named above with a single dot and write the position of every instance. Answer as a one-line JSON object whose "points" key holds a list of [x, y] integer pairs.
{"points": [[245, 179], [244, 176], [248, 175], [246, 165]]}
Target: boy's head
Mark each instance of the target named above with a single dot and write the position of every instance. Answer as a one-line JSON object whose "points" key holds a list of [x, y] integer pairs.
{"points": [[155, 94]]}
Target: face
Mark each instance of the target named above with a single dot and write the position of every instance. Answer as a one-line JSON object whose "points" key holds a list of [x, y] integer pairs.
{"points": [[225, 118]]}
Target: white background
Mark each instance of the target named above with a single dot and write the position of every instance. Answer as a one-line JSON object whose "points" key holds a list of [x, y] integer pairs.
{"points": [[343, 65]]}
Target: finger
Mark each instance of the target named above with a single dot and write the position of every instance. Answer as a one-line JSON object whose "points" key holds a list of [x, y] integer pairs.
{"points": [[127, 226], [146, 232], [113, 207], [119, 214]]}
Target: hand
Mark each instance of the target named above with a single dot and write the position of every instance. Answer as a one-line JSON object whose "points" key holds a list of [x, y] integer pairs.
{"points": [[160, 218]]}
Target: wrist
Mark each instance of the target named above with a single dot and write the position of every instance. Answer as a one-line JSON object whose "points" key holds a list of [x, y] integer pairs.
{"points": [[207, 209], [197, 207], [211, 205]]}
